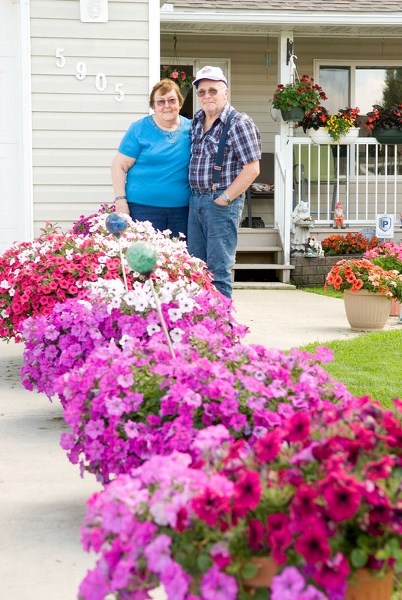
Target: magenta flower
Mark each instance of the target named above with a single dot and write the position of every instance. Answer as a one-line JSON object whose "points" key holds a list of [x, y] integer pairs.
{"points": [[216, 585], [247, 491], [343, 495], [313, 544]]}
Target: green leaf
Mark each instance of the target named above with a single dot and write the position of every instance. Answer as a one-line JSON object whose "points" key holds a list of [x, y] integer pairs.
{"points": [[204, 562], [249, 570], [358, 557]]}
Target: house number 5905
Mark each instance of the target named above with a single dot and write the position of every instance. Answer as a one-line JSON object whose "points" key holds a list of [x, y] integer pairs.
{"points": [[81, 73]]}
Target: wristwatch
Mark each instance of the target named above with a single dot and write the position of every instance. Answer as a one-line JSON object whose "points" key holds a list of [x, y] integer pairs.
{"points": [[226, 198]]}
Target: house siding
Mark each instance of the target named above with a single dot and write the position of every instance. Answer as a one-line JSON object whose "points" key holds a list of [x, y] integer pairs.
{"points": [[76, 127]]}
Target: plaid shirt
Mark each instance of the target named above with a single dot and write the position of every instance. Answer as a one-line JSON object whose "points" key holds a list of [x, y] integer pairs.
{"points": [[243, 146]]}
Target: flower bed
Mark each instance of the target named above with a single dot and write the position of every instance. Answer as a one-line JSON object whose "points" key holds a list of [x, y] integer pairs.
{"points": [[61, 342], [124, 405], [54, 267]]}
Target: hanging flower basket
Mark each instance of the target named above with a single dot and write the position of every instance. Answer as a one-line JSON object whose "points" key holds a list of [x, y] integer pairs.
{"points": [[294, 114]]}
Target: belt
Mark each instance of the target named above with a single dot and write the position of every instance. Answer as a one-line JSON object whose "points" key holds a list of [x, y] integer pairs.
{"points": [[205, 190]]}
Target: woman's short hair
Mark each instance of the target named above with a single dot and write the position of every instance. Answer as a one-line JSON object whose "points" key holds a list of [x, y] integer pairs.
{"points": [[164, 86]]}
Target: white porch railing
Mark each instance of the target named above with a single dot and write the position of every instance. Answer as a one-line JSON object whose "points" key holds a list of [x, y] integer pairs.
{"points": [[365, 177]]}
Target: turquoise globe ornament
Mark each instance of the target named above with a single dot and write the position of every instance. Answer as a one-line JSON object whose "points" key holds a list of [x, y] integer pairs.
{"points": [[141, 257], [116, 224]]}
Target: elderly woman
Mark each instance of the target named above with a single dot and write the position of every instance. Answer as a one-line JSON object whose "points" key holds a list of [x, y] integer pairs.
{"points": [[150, 169]]}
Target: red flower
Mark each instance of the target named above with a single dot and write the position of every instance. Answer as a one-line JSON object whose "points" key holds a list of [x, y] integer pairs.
{"points": [[343, 495]]}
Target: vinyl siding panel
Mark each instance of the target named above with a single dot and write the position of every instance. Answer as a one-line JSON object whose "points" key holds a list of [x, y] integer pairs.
{"points": [[77, 127]]}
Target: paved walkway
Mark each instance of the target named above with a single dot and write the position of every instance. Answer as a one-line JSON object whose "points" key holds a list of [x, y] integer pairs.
{"points": [[42, 497]]}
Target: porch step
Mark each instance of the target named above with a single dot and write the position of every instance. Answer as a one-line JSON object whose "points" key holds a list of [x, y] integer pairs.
{"points": [[251, 248], [267, 266]]}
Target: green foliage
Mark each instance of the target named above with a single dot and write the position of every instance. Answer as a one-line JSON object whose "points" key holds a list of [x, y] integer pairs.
{"points": [[368, 364]]}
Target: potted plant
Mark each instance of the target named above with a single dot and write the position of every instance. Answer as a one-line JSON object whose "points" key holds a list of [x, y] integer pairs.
{"points": [[326, 128], [368, 290], [385, 123], [350, 243], [319, 494], [302, 95], [389, 257], [179, 76]]}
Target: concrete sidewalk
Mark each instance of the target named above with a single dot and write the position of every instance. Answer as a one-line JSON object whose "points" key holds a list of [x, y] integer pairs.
{"points": [[42, 497]]}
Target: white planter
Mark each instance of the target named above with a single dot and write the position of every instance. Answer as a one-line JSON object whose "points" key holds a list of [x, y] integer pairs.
{"points": [[321, 136]]}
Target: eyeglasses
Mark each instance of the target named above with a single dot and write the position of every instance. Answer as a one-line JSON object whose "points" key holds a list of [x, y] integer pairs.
{"points": [[209, 91], [170, 101]]}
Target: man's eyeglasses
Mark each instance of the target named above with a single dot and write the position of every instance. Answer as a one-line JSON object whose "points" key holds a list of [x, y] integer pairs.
{"points": [[170, 101], [209, 91]]}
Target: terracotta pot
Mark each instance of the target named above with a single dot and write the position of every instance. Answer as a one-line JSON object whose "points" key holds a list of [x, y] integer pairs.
{"points": [[267, 569], [365, 585], [395, 309], [366, 311]]}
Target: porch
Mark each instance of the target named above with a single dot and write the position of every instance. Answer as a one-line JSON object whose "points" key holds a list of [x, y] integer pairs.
{"points": [[365, 177]]}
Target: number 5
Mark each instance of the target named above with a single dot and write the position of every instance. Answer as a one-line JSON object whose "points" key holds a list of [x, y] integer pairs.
{"points": [[60, 59], [119, 90]]}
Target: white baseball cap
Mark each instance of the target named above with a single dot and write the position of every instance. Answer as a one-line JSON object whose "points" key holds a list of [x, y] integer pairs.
{"points": [[214, 73]]}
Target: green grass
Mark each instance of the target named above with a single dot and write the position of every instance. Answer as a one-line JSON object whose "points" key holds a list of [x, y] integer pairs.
{"points": [[368, 364]]}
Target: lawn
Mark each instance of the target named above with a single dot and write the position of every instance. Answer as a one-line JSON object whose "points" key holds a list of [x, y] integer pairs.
{"points": [[368, 364]]}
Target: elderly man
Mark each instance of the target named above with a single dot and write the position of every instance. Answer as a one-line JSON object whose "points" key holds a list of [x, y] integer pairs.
{"points": [[218, 185]]}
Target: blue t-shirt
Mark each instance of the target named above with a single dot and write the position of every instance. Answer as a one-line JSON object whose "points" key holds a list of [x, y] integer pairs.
{"points": [[159, 176]]}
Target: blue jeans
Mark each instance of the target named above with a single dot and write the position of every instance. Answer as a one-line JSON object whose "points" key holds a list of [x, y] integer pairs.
{"points": [[175, 219], [212, 235]]}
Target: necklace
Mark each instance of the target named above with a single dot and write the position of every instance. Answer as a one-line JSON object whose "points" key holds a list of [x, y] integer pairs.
{"points": [[170, 135]]}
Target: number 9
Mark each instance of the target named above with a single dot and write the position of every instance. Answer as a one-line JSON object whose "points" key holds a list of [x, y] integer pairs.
{"points": [[80, 70]]}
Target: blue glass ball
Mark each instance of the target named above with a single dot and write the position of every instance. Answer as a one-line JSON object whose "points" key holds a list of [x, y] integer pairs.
{"points": [[141, 257], [116, 224]]}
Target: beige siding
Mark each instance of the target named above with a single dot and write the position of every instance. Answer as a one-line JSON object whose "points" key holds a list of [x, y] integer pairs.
{"points": [[76, 128]]}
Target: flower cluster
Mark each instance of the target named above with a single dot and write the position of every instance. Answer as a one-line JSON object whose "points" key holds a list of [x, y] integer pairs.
{"points": [[388, 255], [320, 493], [61, 342], [34, 276], [384, 117], [336, 125], [303, 92], [127, 403], [363, 274], [178, 75], [351, 243]]}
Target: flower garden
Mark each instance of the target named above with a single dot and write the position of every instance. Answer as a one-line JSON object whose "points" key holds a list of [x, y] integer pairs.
{"points": [[211, 455]]}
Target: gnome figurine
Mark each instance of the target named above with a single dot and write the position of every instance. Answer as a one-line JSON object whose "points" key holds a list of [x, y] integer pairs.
{"points": [[339, 220]]}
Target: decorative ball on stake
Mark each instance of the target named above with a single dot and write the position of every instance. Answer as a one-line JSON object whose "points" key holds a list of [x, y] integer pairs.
{"points": [[116, 224], [141, 257]]}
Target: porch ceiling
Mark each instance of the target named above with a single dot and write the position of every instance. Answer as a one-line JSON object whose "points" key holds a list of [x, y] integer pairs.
{"points": [[239, 20]]}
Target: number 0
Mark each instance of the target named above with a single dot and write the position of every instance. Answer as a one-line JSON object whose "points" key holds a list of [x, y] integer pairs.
{"points": [[100, 82]]}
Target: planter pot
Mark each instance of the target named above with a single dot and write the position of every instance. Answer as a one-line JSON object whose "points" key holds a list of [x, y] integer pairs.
{"points": [[365, 585], [388, 136], [267, 569], [321, 136], [365, 310], [185, 90], [295, 114], [395, 308]]}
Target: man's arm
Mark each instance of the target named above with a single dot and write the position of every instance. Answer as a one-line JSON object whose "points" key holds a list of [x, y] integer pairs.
{"points": [[244, 179]]}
